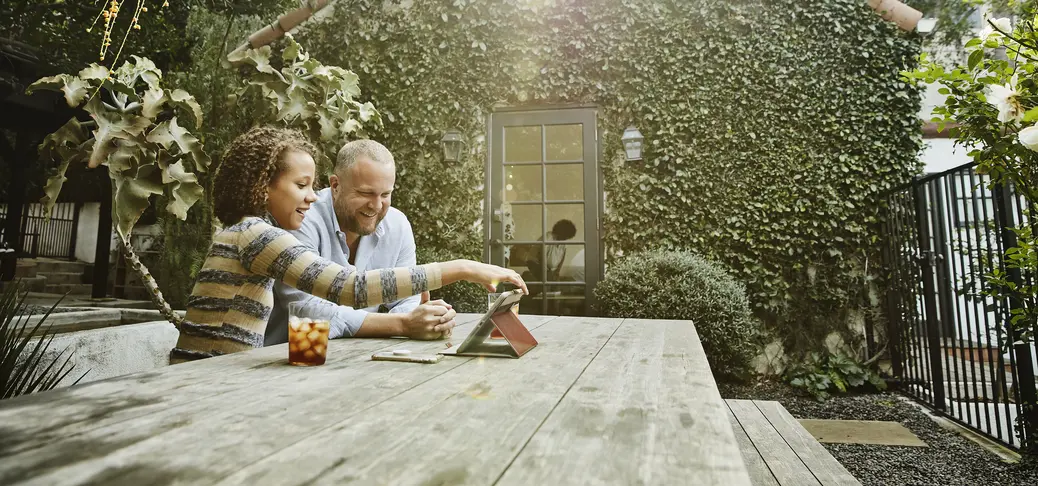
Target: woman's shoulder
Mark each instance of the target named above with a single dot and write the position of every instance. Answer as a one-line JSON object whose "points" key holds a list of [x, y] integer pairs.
{"points": [[251, 230], [253, 225]]}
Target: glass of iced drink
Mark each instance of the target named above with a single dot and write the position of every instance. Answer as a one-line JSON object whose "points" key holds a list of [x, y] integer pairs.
{"points": [[307, 336]]}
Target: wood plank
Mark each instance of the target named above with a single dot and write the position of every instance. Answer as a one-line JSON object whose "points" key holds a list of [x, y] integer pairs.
{"points": [[784, 464], [645, 411], [25, 423], [760, 475], [462, 427], [218, 435], [825, 467]]}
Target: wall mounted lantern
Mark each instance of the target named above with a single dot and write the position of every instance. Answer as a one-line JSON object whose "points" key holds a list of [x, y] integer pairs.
{"points": [[632, 140], [452, 143]]}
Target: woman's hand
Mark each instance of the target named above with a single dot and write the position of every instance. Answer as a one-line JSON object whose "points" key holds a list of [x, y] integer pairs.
{"points": [[489, 276]]}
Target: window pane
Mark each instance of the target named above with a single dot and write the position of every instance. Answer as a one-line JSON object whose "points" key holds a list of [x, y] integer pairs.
{"points": [[565, 182], [565, 142], [565, 300], [523, 144], [525, 220], [534, 302], [523, 182], [520, 257], [558, 214], [573, 264]]}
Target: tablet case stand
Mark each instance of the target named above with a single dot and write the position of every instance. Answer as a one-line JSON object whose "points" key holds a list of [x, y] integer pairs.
{"points": [[481, 342]]}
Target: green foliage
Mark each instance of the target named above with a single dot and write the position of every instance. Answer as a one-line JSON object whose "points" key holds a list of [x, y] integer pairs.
{"points": [[186, 243], [1000, 286], [182, 250], [820, 374], [243, 8], [463, 296], [134, 131], [58, 31], [213, 36], [771, 126], [24, 365], [681, 285], [955, 21], [291, 89], [994, 100], [67, 34], [318, 99]]}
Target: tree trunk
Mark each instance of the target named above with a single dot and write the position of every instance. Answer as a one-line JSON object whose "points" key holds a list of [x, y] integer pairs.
{"points": [[150, 284]]}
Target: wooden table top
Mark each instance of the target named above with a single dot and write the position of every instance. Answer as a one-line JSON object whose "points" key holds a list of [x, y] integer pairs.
{"points": [[598, 401]]}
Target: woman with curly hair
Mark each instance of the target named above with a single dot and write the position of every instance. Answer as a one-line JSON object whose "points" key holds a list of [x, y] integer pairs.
{"points": [[262, 189]]}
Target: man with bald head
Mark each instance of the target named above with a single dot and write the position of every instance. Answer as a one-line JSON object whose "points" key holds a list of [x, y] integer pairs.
{"points": [[352, 223]]}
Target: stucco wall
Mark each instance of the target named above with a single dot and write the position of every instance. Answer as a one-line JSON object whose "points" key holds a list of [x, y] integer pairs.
{"points": [[115, 351], [86, 236]]}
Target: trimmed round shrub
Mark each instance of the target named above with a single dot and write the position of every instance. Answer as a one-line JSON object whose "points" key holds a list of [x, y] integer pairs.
{"points": [[682, 285]]}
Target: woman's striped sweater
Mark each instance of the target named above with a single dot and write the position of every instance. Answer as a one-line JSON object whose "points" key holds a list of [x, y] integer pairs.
{"points": [[232, 298]]}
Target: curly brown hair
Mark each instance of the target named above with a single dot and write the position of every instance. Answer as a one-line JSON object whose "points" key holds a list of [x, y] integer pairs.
{"points": [[252, 161]]}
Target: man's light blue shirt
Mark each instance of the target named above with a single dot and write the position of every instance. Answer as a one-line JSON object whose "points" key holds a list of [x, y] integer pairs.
{"points": [[391, 245]]}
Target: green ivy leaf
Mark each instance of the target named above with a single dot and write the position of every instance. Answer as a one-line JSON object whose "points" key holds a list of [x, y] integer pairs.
{"points": [[74, 89], [94, 72], [974, 59], [258, 58], [184, 189], [109, 130], [181, 98], [152, 102], [63, 145], [169, 134], [132, 196]]}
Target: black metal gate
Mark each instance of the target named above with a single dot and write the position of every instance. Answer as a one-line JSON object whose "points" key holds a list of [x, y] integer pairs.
{"points": [[53, 236], [951, 346]]}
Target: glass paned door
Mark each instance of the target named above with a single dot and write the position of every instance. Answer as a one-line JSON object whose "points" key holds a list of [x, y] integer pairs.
{"points": [[543, 206]]}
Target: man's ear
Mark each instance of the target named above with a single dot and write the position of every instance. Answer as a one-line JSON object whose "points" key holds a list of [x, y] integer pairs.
{"points": [[333, 182]]}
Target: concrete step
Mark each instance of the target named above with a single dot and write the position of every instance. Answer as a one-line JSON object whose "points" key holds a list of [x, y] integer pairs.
{"points": [[72, 289], [32, 284], [54, 278], [24, 269], [59, 266]]}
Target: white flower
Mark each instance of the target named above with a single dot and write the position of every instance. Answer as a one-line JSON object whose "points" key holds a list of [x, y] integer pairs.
{"points": [[1029, 137], [1006, 99], [1003, 24]]}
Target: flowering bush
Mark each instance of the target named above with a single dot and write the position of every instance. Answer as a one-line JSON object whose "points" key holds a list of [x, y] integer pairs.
{"points": [[994, 101]]}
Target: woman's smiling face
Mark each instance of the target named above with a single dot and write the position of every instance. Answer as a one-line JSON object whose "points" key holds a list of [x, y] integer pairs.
{"points": [[292, 192]]}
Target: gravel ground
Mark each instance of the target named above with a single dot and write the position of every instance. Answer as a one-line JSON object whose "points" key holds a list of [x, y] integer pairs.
{"points": [[950, 458]]}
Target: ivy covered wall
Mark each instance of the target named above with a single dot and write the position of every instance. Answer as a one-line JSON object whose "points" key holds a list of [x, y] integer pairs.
{"points": [[771, 125]]}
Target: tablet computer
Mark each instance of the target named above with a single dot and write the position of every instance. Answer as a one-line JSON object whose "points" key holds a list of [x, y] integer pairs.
{"points": [[517, 339]]}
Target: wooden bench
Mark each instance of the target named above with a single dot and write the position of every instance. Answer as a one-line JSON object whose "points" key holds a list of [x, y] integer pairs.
{"points": [[778, 450]]}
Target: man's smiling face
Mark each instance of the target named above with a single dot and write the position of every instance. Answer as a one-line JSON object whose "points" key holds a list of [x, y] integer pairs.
{"points": [[362, 195]]}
